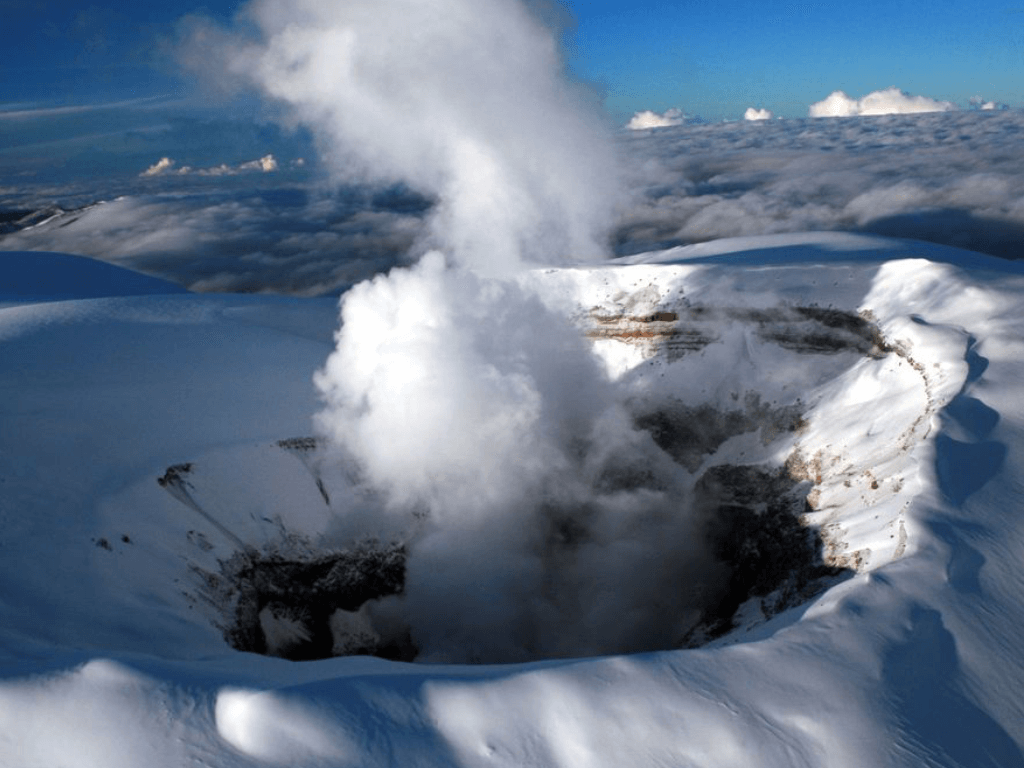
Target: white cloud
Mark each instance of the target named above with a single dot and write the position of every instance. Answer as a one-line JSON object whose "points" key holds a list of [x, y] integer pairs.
{"points": [[163, 165], [641, 121], [758, 114], [889, 101], [266, 164], [979, 102]]}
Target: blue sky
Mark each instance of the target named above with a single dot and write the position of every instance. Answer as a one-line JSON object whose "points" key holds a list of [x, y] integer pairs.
{"points": [[716, 59], [708, 59]]}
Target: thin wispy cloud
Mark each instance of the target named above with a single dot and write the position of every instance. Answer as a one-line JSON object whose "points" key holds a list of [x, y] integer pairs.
{"points": [[31, 112]]}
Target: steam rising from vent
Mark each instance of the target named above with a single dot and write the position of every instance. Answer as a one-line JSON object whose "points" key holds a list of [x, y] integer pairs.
{"points": [[541, 508], [485, 434], [461, 99]]}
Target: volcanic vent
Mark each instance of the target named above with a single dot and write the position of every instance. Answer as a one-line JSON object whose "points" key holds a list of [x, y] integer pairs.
{"points": [[729, 397]]}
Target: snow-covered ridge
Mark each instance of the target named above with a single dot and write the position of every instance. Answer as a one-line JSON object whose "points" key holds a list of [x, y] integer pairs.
{"points": [[907, 443], [40, 276]]}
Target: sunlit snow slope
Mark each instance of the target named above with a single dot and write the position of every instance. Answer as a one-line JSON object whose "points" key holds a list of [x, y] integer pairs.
{"points": [[905, 361]]}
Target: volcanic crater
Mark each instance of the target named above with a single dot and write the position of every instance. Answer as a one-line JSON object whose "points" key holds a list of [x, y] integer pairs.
{"points": [[288, 597]]}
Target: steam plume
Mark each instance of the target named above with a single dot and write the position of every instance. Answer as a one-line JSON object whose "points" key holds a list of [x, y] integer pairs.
{"points": [[462, 99], [529, 503], [546, 512]]}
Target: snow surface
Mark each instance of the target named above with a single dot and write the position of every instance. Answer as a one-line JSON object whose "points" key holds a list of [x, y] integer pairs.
{"points": [[109, 657], [42, 276]]}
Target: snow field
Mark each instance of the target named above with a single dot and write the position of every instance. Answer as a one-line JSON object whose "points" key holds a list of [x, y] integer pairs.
{"points": [[914, 660]]}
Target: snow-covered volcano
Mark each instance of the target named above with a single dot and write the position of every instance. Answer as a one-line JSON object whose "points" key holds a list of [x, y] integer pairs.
{"points": [[859, 398]]}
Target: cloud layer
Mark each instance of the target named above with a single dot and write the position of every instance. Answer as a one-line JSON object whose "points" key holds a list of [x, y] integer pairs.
{"points": [[285, 239], [955, 178]]}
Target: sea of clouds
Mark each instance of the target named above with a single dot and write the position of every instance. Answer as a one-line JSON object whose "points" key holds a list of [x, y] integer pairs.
{"points": [[953, 177]]}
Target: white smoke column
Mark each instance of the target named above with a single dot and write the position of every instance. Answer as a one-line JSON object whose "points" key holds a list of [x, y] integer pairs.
{"points": [[463, 99], [432, 394], [480, 419], [467, 401]]}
